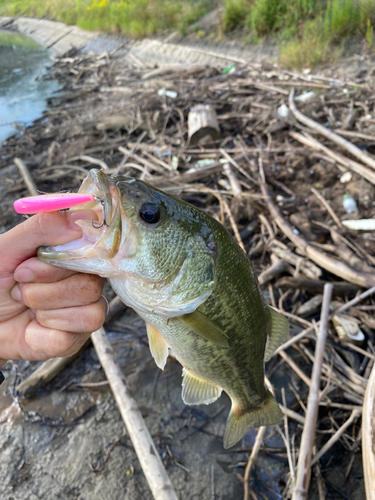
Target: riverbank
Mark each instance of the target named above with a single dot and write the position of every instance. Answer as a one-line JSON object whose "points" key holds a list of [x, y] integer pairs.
{"points": [[129, 116]]}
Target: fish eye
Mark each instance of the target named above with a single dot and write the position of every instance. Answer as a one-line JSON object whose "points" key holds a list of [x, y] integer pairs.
{"points": [[150, 213]]}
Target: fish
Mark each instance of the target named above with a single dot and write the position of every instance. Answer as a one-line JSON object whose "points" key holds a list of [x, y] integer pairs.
{"points": [[196, 289]]}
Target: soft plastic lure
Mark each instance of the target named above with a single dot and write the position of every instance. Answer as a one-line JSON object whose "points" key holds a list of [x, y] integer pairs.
{"points": [[51, 202]]}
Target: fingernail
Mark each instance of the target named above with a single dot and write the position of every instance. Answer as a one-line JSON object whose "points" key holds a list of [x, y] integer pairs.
{"points": [[15, 293], [24, 275]]}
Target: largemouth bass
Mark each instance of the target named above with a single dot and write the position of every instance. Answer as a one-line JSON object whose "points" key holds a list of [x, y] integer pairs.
{"points": [[185, 275]]}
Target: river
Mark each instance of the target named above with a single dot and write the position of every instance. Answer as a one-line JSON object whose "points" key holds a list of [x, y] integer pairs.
{"points": [[23, 90]]}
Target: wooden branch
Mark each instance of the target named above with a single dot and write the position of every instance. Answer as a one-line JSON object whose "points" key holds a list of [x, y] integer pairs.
{"points": [[340, 141], [46, 372], [359, 169], [27, 177], [368, 437], [308, 434], [148, 455], [332, 265], [252, 459], [316, 286], [354, 415]]}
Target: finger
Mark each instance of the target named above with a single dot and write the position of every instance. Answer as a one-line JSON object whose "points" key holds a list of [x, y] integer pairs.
{"points": [[34, 270], [22, 241], [77, 290], [85, 319], [50, 343]]}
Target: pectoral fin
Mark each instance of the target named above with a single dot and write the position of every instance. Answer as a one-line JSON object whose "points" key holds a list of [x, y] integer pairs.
{"points": [[158, 346], [279, 333], [205, 328], [196, 391]]}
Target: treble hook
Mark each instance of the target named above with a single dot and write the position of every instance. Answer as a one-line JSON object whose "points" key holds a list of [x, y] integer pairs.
{"points": [[104, 223]]}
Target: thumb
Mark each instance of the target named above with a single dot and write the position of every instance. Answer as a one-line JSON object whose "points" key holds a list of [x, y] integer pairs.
{"points": [[22, 241]]}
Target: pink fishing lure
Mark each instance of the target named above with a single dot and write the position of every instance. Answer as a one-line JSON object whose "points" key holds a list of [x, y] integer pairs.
{"points": [[51, 202]]}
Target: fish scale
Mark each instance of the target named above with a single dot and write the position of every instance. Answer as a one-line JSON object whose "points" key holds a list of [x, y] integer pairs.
{"points": [[196, 289]]}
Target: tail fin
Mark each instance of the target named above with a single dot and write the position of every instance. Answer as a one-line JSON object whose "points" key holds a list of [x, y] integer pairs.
{"points": [[239, 424]]}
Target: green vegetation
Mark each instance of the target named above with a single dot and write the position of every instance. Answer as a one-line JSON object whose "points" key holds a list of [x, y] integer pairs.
{"points": [[311, 31], [135, 18]]}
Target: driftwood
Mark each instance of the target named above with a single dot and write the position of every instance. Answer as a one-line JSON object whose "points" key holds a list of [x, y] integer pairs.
{"points": [[340, 141], [144, 446], [308, 140], [323, 260], [368, 437], [27, 177], [222, 178], [304, 459], [202, 124]]}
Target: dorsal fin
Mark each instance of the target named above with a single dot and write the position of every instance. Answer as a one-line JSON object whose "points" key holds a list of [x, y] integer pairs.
{"points": [[158, 346], [279, 333], [196, 391]]}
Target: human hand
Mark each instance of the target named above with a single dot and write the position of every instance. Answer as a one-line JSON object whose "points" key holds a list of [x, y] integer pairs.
{"points": [[45, 311]]}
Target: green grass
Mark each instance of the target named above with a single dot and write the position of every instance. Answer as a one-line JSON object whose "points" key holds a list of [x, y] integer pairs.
{"points": [[311, 31], [135, 18]]}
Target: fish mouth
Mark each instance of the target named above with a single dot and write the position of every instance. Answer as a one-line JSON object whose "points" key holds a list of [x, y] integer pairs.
{"points": [[100, 238]]}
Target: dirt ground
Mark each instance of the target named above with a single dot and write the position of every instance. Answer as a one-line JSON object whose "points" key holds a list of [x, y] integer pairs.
{"points": [[68, 441]]}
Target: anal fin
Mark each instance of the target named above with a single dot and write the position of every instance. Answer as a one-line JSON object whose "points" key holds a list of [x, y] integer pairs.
{"points": [[158, 346], [279, 333], [196, 391], [240, 422]]}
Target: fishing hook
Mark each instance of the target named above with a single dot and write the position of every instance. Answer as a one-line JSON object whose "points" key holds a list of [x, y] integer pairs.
{"points": [[104, 223]]}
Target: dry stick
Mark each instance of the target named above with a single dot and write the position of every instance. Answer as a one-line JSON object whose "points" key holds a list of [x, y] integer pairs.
{"points": [[340, 141], [252, 458], [144, 446], [357, 135], [94, 161], [368, 437], [356, 167], [328, 207], [355, 414], [332, 265], [25, 172], [355, 301], [307, 441]]}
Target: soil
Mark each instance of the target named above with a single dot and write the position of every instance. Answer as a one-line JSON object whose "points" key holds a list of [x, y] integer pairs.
{"points": [[68, 441]]}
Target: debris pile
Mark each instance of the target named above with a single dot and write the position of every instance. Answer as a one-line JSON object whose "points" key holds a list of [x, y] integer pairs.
{"points": [[287, 163]]}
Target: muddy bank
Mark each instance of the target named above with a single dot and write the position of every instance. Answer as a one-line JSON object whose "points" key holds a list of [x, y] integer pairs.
{"points": [[69, 440]]}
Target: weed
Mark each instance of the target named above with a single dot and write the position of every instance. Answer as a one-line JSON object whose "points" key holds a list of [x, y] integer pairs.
{"points": [[135, 18]]}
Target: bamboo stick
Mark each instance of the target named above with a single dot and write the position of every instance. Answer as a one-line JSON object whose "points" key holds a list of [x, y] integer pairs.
{"points": [[368, 437], [308, 434], [148, 455]]}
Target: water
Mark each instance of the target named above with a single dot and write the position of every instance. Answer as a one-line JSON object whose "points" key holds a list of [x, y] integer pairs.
{"points": [[23, 91]]}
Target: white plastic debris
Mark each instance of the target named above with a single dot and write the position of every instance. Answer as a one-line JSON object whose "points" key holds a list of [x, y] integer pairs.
{"points": [[305, 96], [283, 111], [349, 205], [168, 93], [346, 177], [348, 330], [360, 225], [174, 162]]}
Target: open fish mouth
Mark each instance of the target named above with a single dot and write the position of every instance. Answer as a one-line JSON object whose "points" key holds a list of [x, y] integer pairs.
{"points": [[100, 238]]}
